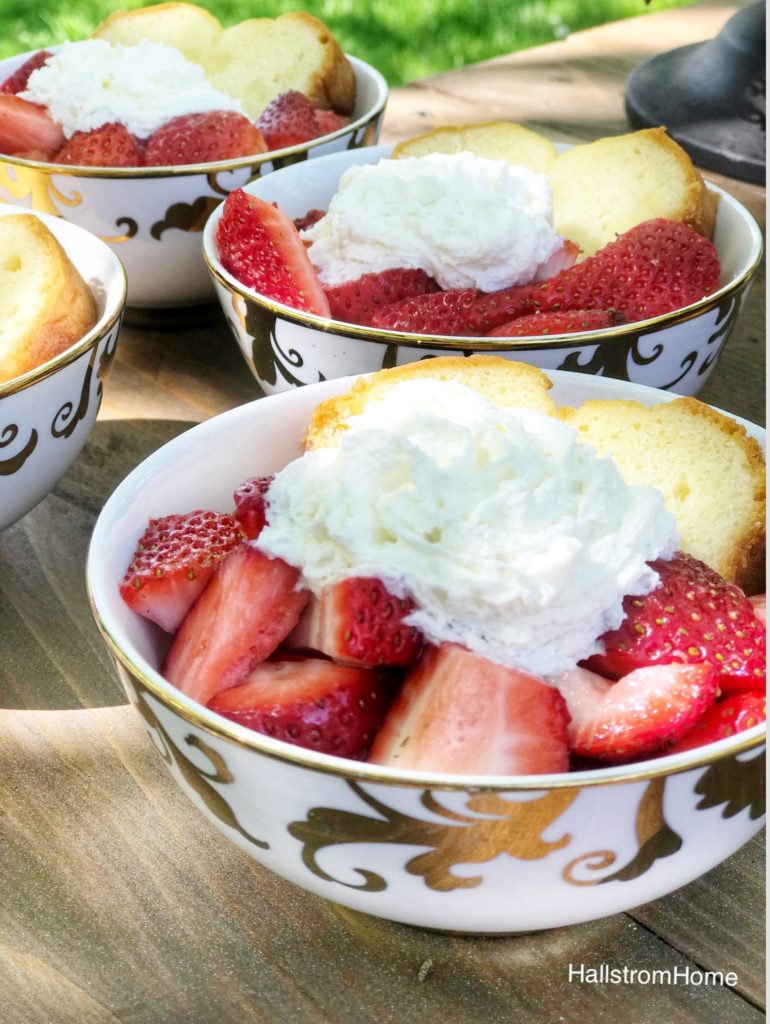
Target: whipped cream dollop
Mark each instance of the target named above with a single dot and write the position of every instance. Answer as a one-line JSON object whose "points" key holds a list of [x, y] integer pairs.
{"points": [[468, 221], [514, 539], [90, 83]]}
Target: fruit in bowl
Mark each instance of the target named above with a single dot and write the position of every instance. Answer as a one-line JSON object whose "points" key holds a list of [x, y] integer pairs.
{"points": [[484, 853], [416, 251], [62, 294], [507, 600], [139, 132]]}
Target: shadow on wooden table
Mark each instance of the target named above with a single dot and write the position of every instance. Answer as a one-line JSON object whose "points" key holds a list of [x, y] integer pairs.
{"points": [[51, 653]]}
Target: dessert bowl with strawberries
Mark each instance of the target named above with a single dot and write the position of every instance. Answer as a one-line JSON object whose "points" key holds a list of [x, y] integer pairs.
{"points": [[128, 135], [374, 690], [641, 285], [62, 294]]}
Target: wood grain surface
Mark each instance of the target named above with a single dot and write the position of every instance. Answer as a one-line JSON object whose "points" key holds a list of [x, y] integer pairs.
{"points": [[122, 905]]}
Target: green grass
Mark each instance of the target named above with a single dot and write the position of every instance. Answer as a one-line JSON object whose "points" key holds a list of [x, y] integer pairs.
{"points": [[405, 39]]}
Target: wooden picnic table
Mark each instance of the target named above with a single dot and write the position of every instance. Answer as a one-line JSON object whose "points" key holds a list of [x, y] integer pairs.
{"points": [[120, 903]]}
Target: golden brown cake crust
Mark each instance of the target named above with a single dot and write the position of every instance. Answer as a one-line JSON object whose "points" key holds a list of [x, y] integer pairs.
{"points": [[45, 305], [502, 381], [254, 60], [496, 140]]}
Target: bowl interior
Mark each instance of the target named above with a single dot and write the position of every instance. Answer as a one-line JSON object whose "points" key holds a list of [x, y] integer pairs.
{"points": [[201, 469], [302, 187]]}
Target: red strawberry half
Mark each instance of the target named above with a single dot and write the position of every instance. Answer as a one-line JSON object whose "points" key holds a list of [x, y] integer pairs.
{"points": [[564, 322], [111, 145], [309, 219], [654, 268], [250, 506], [289, 120], [640, 714], [725, 718], [692, 616], [459, 712], [203, 138], [329, 121], [259, 245], [359, 621], [435, 313], [250, 605], [26, 127], [311, 702], [174, 560], [17, 81], [356, 301]]}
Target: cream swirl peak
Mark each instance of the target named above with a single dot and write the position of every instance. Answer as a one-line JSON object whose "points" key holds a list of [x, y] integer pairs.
{"points": [[468, 221], [513, 539], [90, 83]]}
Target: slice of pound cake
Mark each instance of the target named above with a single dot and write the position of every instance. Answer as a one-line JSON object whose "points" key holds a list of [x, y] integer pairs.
{"points": [[45, 305], [502, 382], [711, 474], [603, 188]]}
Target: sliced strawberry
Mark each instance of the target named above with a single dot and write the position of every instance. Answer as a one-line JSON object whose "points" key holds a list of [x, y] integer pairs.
{"points": [[310, 218], [17, 81], [459, 712], [561, 260], [288, 120], [111, 145], [356, 301], [250, 505], [203, 138], [311, 702], [360, 622], [260, 245], [564, 322], [725, 718], [435, 313], [759, 604], [656, 267], [640, 713], [692, 616], [26, 127], [250, 605], [329, 121], [174, 560]]}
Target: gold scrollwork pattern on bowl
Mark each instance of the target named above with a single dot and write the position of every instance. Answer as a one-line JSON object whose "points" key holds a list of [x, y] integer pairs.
{"points": [[8, 436], [130, 229], [197, 778], [490, 824], [186, 216], [37, 186], [616, 356], [731, 781], [268, 359], [68, 415], [494, 826]]}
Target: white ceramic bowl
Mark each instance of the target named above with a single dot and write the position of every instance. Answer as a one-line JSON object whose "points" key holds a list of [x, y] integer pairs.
{"points": [[285, 348], [152, 217], [47, 414], [473, 854]]}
